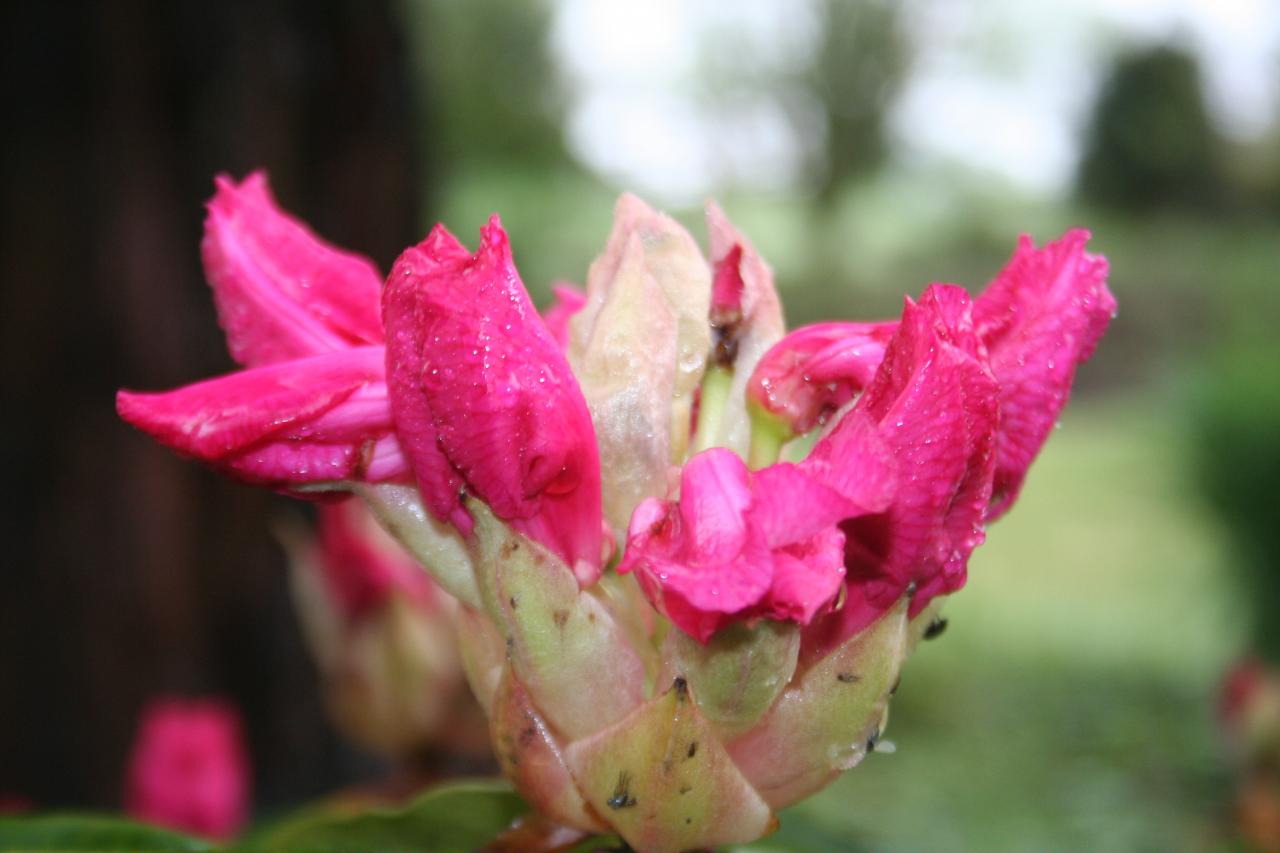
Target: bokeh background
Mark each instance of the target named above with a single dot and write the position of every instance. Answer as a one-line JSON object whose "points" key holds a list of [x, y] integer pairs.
{"points": [[868, 148]]}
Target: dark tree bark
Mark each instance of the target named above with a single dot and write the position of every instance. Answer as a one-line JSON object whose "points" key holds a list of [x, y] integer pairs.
{"points": [[126, 571]]}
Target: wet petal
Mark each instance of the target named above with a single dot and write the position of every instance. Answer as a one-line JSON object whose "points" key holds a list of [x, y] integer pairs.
{"points": [[1040, 318], [815, 370], [217, 417], [672, 258], [483, 397], [934, 402]]}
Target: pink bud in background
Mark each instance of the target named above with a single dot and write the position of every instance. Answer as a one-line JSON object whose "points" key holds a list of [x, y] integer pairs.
{"points": [[380, 631], [363, 565], [188, 769]]}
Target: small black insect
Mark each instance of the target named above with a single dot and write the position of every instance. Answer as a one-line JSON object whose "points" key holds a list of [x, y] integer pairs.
{"points": [[873, 740], [935, 628], [622, 798], [847, 677]]}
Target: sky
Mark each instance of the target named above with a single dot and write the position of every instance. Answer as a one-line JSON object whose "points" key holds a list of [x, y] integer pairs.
{"points": [[999, 86]]}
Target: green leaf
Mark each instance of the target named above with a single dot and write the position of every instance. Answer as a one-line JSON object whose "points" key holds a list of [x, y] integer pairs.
{"points": [[84, 832], [459, 817]]}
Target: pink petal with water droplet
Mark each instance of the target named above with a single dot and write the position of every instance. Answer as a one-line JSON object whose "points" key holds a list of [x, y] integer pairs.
{"points": [[482, 396], [935, 404], [267, 425], [282, 292], [1040, 318], [740, 545], [815, 370]]}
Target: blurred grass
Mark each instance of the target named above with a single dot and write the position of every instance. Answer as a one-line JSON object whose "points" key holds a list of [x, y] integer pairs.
{"points": [[1068, 705]]}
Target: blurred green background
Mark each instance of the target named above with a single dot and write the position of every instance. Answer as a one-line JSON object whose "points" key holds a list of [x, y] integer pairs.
{"points": [[869, 148]]}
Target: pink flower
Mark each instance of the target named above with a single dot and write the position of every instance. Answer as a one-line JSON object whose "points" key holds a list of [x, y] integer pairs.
{"points": [[934, 402], [188, 769], [484, 400], [1041, 318], [302, 316], [310, 421], [1038, 320], [814, 371], [743, 545], [281, 291]]}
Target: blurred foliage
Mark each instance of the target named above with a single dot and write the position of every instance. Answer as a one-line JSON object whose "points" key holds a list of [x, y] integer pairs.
{"points": [[862, 64], [1150, 142], [1238, 427], [484, 69], [66, 832], [453, 818]]}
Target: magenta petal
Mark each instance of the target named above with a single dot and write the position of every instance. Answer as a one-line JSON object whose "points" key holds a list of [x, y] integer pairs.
{"points": [[700, 560], [282, 292], [739, 545], [727, 287], [855, 461], [715, 496], [216, 417], [260, 424], [806, 577], [569, 300], [1040, 318], [935, 403], [482, 395], [407, 321], [808, 375]]}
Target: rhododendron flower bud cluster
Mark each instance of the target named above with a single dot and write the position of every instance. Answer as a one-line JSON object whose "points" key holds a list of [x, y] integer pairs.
{"points": [[691, 552]]}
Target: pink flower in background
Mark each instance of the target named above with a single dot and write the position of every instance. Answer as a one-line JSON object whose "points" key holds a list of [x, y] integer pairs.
{"points": [[380, 631], [188, 768], [363, 565]]}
